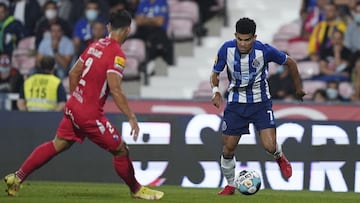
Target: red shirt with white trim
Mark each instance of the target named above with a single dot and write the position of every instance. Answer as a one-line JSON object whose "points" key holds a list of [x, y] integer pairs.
{"points": [[99, 58]]}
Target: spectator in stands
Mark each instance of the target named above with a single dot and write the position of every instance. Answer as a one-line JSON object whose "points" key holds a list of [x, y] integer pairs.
{"points": [[11, 30], [332, 92], [98, 31], [43, 91], [10, 78], [352, 39], [334, 60], [58, 46], [281, 84], [50, 17], [321, 34], [152, 18], [319, 96], [118, 5], [311, 13], [354, 65], [28, 12], [83, 27], [64, 10]]}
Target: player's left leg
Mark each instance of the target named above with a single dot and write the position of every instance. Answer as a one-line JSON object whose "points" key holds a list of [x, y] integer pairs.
{"points": [[268, 139], [264, 122]]}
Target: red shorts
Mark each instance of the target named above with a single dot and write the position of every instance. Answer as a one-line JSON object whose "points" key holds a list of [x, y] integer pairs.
{"points": [[100, 131]]}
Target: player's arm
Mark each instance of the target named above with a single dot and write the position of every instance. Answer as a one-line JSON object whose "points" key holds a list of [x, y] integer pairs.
{"points": [[214, 82], [299, 92], [21, 102], [75, 75], [114, 83]]}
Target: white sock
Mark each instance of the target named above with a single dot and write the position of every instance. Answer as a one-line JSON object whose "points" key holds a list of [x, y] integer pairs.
{"points": [[278, 152], [228, 169]]}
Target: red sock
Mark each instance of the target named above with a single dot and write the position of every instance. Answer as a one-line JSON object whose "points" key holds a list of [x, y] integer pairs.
{"points": [[40, 156], [124, 168]]}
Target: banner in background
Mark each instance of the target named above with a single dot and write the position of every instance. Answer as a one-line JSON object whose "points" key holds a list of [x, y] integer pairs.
{"points": [[185, 150], [347, 112]]}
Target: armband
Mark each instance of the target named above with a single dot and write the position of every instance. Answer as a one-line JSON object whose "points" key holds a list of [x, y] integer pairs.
{"points": [[215, 89]]}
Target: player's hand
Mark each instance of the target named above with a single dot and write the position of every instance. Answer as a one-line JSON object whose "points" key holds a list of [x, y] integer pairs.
{"points": [[299, 95], [216, 99], [134, 128]]}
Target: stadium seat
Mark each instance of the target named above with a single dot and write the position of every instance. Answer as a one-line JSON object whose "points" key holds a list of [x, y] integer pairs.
{"points": [[346, 90], [290, 29], [308, 69], [135, 51], [310, 86], [298, 49], [24, 56], [184, 17]]}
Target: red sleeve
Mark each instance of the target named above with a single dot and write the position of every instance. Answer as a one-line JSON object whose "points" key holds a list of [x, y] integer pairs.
{"points": [[118, 63]]}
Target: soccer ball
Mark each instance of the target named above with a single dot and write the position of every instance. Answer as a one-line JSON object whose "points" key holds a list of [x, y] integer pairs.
{"points": [[248, 182]]}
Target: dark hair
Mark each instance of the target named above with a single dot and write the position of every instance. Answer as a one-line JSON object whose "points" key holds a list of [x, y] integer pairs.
{"points": [[47, 64], [47, 3], [245, 26], [120, 19]]}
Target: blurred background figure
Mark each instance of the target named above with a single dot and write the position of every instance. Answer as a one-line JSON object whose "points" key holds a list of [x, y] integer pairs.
{"points": [[12, 30], [58, 46], [42, 29], [28, 12], [352, 34], [319, 96], [10, 78], [354, 65], [43, 91], [281, 84], [98, 31], [321, 34], [152, 18], [83, 27], [334, 60]]}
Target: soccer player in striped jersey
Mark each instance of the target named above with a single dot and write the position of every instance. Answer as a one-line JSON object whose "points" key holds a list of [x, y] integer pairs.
{"points": [[96, 74], [249, 101]]}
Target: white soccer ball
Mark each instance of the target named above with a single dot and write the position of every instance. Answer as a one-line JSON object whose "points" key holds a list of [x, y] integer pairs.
{"points": [[248, 182]]}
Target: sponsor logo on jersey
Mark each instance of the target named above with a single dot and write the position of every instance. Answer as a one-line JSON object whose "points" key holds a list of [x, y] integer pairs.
{"points": [[119, 62]]}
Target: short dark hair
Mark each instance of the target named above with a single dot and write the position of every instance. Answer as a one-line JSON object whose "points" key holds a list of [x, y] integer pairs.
{"points": [[120, 19], [245, 26], [47, 64]]}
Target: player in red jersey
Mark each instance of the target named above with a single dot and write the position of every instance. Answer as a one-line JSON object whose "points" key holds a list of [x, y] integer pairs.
{"points": [[96, 73]]}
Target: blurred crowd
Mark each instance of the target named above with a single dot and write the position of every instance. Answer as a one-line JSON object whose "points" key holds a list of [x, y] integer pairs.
{"points": [[327, 48], [31, 30]]}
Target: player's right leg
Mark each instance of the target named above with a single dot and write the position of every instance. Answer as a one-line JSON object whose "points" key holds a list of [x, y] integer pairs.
{"points": [[228, 162], [106, 136]]}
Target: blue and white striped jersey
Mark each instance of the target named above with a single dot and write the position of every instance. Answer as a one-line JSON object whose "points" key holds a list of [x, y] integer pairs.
{"points": [[247, 72]]}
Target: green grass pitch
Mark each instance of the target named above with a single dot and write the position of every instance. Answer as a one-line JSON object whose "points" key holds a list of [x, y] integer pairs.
{"points": [[61, 192]]}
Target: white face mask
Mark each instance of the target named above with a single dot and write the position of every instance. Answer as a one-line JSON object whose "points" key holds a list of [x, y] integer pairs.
{"points": [[50, 14], [331, 93], [4, 69], [91, 14]]}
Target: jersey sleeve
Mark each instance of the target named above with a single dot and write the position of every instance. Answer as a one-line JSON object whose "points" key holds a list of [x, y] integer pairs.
{"points": [[118, 63], [220, 60], [274, 55]]}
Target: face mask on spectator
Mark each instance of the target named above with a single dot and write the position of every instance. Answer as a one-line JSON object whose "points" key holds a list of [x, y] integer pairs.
{"points": [[4, 69], [50, 14], [331, 93], [91, 14], [357, 18]]}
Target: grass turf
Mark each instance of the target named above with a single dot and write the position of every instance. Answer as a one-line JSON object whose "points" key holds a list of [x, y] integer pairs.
{"points": [[61, 192]]}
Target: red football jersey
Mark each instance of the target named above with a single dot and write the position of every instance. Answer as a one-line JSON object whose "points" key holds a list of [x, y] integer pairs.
{"points": [[90, 94]]}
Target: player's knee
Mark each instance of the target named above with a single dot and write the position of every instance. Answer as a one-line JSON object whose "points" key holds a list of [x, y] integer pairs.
{"points": [[61, 144], [121, 150]]}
